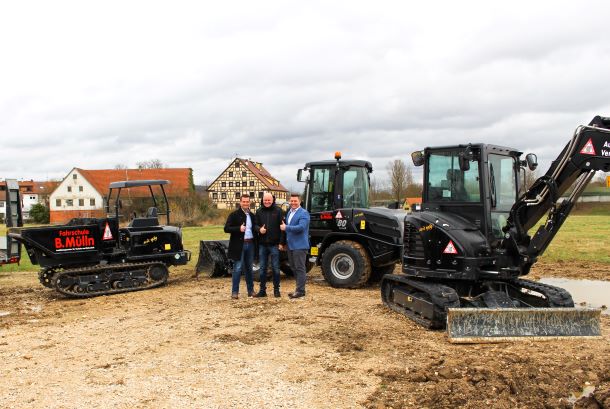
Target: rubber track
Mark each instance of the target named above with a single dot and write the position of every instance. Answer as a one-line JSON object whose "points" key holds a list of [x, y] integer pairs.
{"points": [[105, 269], [442, 296], [556, 296]]}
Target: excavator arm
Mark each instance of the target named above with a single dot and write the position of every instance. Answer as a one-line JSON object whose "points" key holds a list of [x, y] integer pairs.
{"points": [[586, 153]]}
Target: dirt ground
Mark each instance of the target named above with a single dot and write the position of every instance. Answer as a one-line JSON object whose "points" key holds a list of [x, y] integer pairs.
{"points": [[189, 345]]}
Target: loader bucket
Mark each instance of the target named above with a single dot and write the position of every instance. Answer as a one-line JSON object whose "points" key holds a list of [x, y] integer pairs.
{"points": [[213, 260], [480, 325]]}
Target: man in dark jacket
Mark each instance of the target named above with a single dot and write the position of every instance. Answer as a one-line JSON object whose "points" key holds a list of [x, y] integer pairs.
{"points": [[240, 224], [267, 225]]}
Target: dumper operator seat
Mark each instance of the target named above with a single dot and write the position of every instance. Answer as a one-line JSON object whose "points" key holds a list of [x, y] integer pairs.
{"points": [[149, 220]]}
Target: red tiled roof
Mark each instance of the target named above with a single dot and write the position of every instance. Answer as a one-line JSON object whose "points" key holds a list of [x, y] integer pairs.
{"points": [[179, 179], [263, 175], [45, 188]]}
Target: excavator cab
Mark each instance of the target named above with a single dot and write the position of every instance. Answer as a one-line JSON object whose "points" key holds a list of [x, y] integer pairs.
{"points": [[477, 182]]}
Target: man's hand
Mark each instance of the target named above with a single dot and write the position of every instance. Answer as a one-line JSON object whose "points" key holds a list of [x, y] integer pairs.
{"points": [[263, 230], [283, 226], [282, 247], [242, 228]]}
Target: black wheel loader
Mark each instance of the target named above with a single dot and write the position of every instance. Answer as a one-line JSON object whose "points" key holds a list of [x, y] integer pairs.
{"points": [[349, 240], [465, 253], [10, 249], [88, 257]]}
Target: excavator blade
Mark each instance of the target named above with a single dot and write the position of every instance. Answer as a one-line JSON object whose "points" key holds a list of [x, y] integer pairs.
{"points": [[213, 260], [482, 325]]}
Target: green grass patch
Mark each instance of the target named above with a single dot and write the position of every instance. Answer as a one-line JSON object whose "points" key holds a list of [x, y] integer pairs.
{"points": [[581, 238]]}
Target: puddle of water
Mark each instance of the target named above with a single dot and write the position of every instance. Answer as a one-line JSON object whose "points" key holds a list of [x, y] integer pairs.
{"points": [[594, 293]]}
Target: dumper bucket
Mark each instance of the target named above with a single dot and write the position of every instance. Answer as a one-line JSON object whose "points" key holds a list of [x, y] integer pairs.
{"points": [[213, 260], [480, 325]]}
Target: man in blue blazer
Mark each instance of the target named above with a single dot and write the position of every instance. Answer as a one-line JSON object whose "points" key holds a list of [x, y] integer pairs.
{"points": [[296, 228]]}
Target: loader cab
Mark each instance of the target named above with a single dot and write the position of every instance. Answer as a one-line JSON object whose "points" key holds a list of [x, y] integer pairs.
{"points": [[337, 184], [476, 181]]}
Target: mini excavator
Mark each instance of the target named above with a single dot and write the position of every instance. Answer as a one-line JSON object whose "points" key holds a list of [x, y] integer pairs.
{"points": [[465, 252]]}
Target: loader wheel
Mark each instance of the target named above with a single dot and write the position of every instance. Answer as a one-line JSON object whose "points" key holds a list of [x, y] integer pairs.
{"points": [[346, 264]]}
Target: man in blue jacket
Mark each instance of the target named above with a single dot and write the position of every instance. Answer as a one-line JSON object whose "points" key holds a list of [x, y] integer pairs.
{"points": [[296, 228]]}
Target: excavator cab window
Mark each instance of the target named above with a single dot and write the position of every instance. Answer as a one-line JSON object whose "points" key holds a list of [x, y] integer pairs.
{"points": [[448, 183], [503, 189]]}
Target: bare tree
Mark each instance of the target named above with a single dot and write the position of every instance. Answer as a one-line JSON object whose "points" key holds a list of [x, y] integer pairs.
{"points": [[120, 166], [401, 177], [150, 164]]}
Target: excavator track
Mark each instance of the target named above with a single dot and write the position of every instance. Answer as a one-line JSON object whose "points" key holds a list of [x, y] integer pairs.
{"points": [[555, 296], [109, 279], [424, 302], [45, 276]]}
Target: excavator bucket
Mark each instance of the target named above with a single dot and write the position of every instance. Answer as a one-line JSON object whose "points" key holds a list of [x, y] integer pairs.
{"points": [[482, 325], [213, 260]]}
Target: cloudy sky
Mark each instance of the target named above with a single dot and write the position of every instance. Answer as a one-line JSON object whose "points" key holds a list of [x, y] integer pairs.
{"points": [[96, 84]]}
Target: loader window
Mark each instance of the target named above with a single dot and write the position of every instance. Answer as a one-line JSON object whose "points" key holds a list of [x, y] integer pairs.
{"points": [[321, 190], [356, 188], [446, 182]]}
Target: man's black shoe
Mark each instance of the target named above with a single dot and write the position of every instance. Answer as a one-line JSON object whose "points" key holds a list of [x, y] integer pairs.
{"points": [[276, 293], [260, 294], [296, 295]]}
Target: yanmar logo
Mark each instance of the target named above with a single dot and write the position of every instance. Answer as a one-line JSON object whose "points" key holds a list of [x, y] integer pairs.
{"points": [[78, 239]]}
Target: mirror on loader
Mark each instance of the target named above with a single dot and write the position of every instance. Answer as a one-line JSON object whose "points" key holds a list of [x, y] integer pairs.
{"points": [[464, 159], [418, 158], [300, 176]]}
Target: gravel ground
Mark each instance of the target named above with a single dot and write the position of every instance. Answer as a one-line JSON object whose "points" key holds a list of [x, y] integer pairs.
{"points": [[189, 345]]}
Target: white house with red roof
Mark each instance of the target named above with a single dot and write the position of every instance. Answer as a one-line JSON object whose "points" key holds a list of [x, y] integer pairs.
{"points": [[245, 176]]}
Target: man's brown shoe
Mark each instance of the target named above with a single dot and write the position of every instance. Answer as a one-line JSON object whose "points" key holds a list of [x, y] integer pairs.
{"points": [[234, 296]]}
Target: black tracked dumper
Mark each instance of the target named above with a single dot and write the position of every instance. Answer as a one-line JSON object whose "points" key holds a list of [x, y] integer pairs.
{"points": [[88, 257]]}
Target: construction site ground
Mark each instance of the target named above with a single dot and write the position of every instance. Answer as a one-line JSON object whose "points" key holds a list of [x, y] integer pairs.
{"points": [[189, 345]]}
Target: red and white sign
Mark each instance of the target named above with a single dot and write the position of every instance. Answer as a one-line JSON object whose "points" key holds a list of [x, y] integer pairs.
{"points": [[339, 215], [107, 233], [450, 249], [588, 149]]}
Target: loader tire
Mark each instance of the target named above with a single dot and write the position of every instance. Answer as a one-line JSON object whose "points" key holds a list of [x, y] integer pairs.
{"points": [[346, 264]]}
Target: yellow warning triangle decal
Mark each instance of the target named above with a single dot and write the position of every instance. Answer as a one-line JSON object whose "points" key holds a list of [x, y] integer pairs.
{"points": [[450, 249], [588, 149], [107, 233]]}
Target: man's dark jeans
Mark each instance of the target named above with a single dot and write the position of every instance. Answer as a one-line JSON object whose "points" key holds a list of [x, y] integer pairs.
{"points": [[264, 252], [245, 264]]}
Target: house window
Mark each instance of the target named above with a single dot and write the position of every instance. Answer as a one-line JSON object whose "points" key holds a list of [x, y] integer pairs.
{"points": [[237, 195], [237, 164], [80, 188], [251, 183], [81, 202], [91, 202], [1, 204], [69, 188], [69, 202], [57, 202], [74, 176], [244, 183], [32, 197], [230, 174], [252, 194], [260, 195], [223, 195], [243, 174], [230, 184], [252, 205], [214, 196]]}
